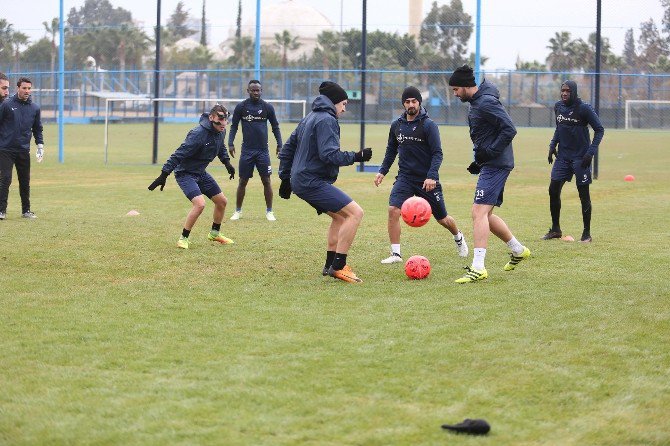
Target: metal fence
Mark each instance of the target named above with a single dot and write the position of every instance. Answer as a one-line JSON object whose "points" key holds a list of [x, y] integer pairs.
{"points": [[109, 52]]}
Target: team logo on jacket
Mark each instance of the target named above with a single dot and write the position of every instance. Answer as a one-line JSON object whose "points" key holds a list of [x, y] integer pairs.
{"points": [[402, 138], [561, 118], [249, 117]]}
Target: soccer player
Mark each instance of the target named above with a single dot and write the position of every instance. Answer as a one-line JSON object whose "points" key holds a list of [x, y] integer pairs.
{"points": [[254, 114], [491, 131], [202, 144], [20, 118], [573, 157], [415, 139], [309, 164]]}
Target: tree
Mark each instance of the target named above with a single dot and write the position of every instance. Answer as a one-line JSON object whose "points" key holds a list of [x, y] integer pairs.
{"points": [[238, 23], [561, 56], [285, 42], [203, 27], [53, 30], [447, 29], [38, 53], [629, 54], [176, 26], [666, 16], [529, 66], [651, 45], [105, 33], [327, 50], [243, 49], [96, 14]]}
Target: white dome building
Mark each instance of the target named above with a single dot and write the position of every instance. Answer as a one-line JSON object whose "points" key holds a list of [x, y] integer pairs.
{"points": [[299, 19]]}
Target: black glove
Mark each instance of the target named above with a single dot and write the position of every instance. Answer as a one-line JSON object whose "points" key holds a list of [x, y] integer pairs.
{"points": [[481, 157], [363, 155], [474, 168], [230, 169], [160, 181], [278, 149], [468, 426], [552, 153], [285, 189], [586, 161]]}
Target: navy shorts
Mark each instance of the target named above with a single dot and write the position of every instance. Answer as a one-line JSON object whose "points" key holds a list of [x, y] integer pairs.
{"points": [[491, 186], [404, 188], [193, 185], [258, 158], [564, 169], [324, 197]]}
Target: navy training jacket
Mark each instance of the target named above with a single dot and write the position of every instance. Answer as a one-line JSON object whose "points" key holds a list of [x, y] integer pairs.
{"points": [[254, 116], [572, 133], [312, 152], [418, 147], [491, 128], [201, 146], [18, 121]]}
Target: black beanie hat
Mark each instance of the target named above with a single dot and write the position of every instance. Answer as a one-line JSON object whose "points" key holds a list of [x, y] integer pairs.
{"points": [[411, 92], [333, 92], [462, 77]]}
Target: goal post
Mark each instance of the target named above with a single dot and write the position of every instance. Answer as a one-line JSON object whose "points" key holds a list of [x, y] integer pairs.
{"points": [[647, 114], [176, 110]]}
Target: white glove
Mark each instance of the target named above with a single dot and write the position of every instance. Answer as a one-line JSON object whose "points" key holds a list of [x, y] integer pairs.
{"points": [[40, 152]]}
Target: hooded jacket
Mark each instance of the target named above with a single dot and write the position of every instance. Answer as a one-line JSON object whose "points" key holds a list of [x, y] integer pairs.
{"points": [[254, 116], [201, 146], [18, 121], [417, 145], [312, 152], [572, 133], [491, 128]]}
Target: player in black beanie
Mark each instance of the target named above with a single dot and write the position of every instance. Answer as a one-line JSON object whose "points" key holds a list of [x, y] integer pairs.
{"points": [[462, 77], [411, 92], [491, 132], [333, 92]]}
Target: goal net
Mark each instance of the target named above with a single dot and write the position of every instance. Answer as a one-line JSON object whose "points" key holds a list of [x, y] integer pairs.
{"points": [[642, 114], [128, 123]]}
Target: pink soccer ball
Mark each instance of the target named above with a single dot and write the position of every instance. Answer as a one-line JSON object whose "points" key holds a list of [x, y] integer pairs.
{"points": [[417, 267]]}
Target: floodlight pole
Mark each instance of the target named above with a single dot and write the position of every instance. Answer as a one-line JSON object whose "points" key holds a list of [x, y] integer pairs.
{"points": [[364, 46], [478, 33], [61, 84], [257, 50], [596, 102], [157, 79]]}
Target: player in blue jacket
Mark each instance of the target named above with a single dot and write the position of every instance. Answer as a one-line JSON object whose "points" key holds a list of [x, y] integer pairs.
{"points": [[415, 139], [574, 150], [309, 164], [202, 144], [20, 118], [254, 113], [491, 132]]}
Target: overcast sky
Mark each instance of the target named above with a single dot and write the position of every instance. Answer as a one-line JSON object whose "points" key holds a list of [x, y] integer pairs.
{"points": [[510, 28]]}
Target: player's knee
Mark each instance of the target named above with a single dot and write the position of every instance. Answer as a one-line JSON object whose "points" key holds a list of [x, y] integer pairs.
{"points": [[356, 211], [198, 205], [394, 213]]}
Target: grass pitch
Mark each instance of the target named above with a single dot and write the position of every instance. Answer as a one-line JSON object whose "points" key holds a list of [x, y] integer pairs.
{"points": [[110, 335]]}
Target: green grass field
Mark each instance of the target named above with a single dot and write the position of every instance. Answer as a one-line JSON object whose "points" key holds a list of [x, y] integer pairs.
{"points": [[111, 335]]}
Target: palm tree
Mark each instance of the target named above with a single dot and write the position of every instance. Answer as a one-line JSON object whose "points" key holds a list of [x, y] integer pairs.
{"points": [[18, 40], [329, 46], [52, 29], [560, 58], [285, 42], [243, 48]]}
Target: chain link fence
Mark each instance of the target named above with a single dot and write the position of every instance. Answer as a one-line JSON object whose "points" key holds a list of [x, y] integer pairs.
{"points": [[109, 53]]}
